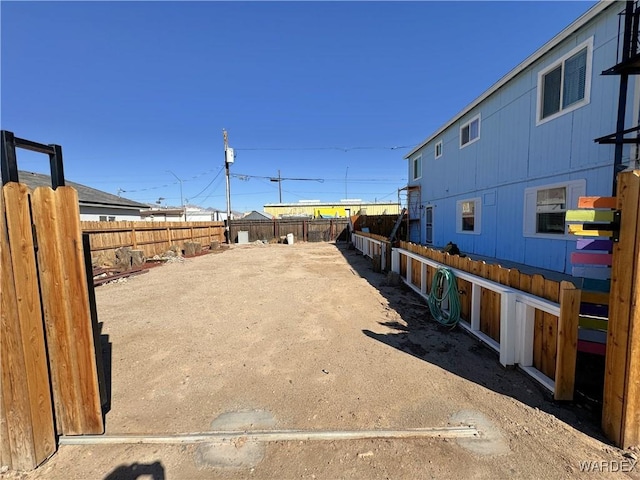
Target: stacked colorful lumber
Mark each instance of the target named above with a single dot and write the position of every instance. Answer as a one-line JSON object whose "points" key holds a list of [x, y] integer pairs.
{"points": [[592, 262]]}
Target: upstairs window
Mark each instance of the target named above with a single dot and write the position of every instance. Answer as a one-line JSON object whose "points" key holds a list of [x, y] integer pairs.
{"points": [[417, 167], [566, 84], [438, 149], [470, 131]]}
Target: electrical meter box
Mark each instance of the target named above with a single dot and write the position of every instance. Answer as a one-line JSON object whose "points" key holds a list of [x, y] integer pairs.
{"points": [[229, 155]]}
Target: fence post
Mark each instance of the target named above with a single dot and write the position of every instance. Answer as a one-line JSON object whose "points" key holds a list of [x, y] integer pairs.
{"points": [[621, 402], [508, 328], [395, 260], [567, 346]]}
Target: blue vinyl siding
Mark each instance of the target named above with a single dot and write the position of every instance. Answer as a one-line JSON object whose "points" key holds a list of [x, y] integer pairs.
{"points": [[514, 153]]}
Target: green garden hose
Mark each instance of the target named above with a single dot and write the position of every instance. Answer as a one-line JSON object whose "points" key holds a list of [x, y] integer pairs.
{"points": [[444, 287]]}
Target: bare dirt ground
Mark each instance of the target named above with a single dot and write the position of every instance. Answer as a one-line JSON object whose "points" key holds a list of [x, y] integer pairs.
{"points": [[307, 337]]}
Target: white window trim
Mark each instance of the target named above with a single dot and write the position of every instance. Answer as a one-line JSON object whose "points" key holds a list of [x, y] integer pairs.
{"points": [[587, 85], [415, 159], [575, 189], [471, 120], [477, 212], [435, 149]]}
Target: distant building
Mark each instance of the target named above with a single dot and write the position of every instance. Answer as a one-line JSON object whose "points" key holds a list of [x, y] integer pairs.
{"points": [[95, 205], [255, 215], [189, 213], [342, 209]]}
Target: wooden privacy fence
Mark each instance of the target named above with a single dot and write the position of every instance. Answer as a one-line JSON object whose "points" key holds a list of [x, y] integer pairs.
{"points": [[371, 244], [306, 230], [153, 238], [527, 319], [48, 371]]}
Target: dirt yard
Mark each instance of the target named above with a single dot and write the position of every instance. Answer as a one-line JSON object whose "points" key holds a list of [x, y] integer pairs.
{"points": [[307, 337]]}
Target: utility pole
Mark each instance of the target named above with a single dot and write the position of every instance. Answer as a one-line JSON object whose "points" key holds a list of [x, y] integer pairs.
{"points": [[228, 159], [279, 180], [184, 211], [280, 185], [345, 184]]}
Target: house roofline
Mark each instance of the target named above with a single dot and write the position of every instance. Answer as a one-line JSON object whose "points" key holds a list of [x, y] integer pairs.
{"points": [[585, 18], [103, 205]]}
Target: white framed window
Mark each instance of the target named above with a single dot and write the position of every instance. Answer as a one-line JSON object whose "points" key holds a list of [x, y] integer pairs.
{"points": [[102, 218], [469, 216], [565, 85], [112, 219], [416, 167], [470, 131], [545, 208], [438, 149]]}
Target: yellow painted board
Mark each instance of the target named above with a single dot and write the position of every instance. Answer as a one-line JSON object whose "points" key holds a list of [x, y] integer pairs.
{"points": [[589, 215], [593, 323], [578, 229]]}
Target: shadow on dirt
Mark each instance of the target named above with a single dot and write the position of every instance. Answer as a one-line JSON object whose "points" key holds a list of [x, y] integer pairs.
{"points": [[461, 354], [135, 471]]}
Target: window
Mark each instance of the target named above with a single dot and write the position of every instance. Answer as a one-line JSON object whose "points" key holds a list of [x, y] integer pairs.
{"points": [[112, 219], [470, 131], [102, 218], [566, 84], [428, 225], [417, 167], [551, 205], [468, 216], [545, 208], [438, 149]]}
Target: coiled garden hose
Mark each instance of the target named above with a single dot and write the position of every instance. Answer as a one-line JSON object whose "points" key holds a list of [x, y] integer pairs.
{"points": [[444, 288]]}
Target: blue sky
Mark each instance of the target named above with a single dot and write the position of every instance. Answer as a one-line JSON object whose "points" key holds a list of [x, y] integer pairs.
{"points": [[333, 91]]}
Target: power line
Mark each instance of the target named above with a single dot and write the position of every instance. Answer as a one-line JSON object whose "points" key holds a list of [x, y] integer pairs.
{"points": [[343, 149], [242, 176]]}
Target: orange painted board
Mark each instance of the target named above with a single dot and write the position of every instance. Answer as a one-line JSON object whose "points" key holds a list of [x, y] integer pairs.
{"points": [[597, 202]]}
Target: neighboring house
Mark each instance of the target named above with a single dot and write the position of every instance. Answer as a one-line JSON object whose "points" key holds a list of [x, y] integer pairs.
{"points": [[189, 213], [342, 209], [95, 205], [498, 177], [255, 215]]}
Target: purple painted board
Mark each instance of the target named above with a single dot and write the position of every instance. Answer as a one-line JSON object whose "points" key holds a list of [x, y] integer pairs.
{"points": [[591, 347], [591, 258], [606, 245], [594, 310]]}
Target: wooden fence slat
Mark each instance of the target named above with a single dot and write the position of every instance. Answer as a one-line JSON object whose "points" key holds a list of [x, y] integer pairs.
{"points": [[67, 314], [24, 346], [618, 405], [17, 446], [567, 343], [550, 338], [537, 288], [631, 409]]}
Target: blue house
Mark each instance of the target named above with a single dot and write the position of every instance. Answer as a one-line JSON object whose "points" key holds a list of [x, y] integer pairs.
{"points": [[498, 177]]}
